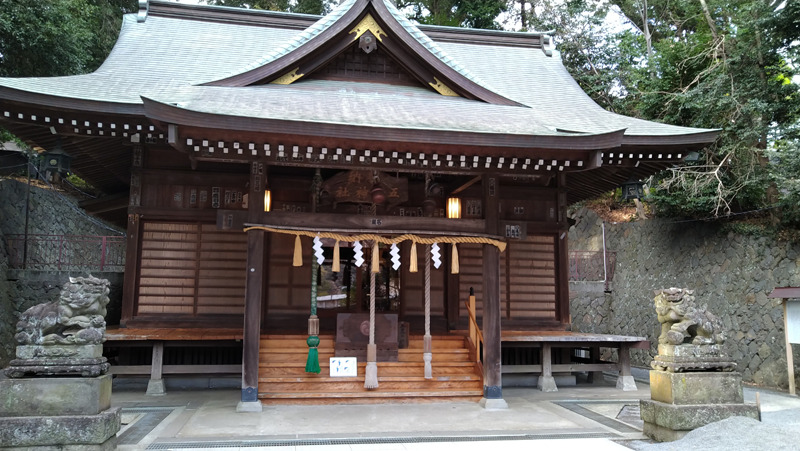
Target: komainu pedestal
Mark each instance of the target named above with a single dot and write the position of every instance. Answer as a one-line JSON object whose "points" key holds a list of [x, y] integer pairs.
{"points": [[693, 382], [57, 394]]}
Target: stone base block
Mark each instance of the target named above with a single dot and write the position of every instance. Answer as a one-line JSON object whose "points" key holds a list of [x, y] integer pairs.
{"points": [[626, 383], [156, 387], [109, 445], [493, 403], [60, 432], [249, 406], [696, 387], [660, 418], [26, 352], [90, 367], [54, 396], [689, 357], [546, 384]]}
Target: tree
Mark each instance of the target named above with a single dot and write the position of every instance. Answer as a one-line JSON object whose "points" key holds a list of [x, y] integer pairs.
{"points": [[455, 13], [697, 63], [318, 7], [57, 37]]}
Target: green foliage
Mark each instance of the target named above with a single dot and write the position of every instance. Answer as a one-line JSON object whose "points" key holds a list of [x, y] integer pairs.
{"points": [[723, 64], [455, 13], [318, 7], [57, 37]]}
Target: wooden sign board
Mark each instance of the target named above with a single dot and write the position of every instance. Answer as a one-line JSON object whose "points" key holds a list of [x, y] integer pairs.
{"points": [[793, 321], [344, 367]]}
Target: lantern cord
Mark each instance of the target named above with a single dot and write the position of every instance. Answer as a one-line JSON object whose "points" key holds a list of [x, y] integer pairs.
{"points": [[427, 352], [371, 372]]}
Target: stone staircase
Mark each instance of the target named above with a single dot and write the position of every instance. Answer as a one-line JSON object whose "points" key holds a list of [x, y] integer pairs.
{"points": [[283, 380]]}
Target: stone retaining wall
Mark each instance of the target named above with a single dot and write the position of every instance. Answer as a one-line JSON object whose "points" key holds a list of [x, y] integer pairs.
{"points": [[731, 273], [49, 214]]}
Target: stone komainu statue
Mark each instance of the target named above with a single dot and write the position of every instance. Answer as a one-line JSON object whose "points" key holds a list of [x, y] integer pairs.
{"points": [[681, 320], [77, 317]]}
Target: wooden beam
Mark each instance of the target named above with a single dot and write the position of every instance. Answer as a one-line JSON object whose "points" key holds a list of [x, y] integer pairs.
{"points": [[467, 185]]}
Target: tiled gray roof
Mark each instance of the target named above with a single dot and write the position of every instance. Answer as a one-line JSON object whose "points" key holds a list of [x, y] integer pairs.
{"points": [[164, 56], [300, 39], [432, 47], [360, 104]]}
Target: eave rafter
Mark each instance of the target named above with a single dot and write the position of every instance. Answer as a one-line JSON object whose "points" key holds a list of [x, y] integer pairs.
{"points": [[374, 17]]}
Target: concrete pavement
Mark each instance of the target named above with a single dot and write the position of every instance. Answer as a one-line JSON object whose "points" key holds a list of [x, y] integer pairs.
{"points": [[597, 417]]}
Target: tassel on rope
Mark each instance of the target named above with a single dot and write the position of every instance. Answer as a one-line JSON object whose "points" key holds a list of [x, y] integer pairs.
{"points": [[312, 363], [412, 264], [298, 252], [336, 264], [427, 351], [376, 260], [371, 373], [454, 260]]}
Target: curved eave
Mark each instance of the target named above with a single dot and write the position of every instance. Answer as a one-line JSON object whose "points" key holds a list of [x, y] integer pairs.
{"points": [[39, 100], [172, 114], [697, 139], [341, 30]]}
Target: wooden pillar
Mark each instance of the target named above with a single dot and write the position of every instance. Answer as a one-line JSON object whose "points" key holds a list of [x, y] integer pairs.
{"points": [[625, 379], [254, 288], [492, 375], [156, 386], [133, 237], [547, 383], [131, 280], [453, 298], [562, 253]]}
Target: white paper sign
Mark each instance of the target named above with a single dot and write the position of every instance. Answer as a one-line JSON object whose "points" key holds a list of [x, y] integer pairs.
{"points": [[344, 367], [793, 321]]}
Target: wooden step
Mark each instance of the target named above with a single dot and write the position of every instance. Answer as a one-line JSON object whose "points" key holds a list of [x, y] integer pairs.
{"points": [[471, 399], [371, 396], [283, 380], [401, 371], [358, 385]]}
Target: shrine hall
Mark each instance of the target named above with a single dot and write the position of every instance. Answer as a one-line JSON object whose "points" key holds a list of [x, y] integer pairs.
{"points": [[348, 208]]}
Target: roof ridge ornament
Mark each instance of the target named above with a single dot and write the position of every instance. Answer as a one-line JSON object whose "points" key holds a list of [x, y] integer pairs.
{"points": [[368, 23], [144, 8], [548, 44]]}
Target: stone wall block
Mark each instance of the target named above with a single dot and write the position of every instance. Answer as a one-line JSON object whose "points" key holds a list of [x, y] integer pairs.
{"points": [[657, 254]]}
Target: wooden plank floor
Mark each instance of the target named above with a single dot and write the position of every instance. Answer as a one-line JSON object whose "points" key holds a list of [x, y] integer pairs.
{"points": [[283, 380]]}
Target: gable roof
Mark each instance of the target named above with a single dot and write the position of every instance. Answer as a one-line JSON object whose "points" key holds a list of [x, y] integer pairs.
{"points": [[198, 66]]}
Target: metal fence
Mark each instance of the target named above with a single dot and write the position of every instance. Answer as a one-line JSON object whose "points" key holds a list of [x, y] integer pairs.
{"points": [[589, 265], [67, 252]]}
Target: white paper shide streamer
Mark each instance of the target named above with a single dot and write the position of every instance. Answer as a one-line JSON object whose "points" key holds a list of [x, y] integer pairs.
{"points": [[395, 253], [318, 250], [437, 256], [358, 254]]}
